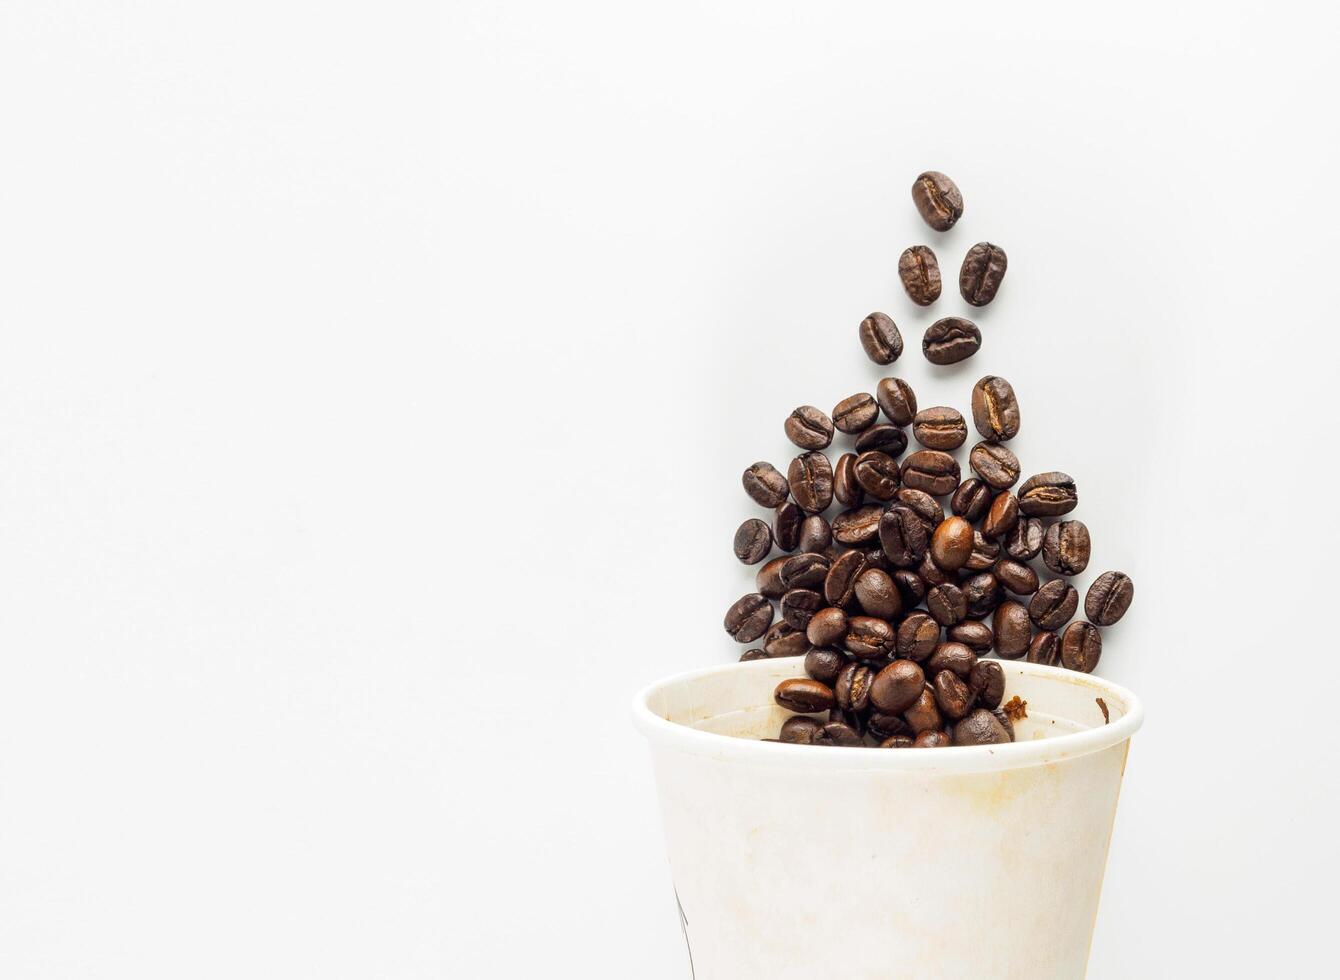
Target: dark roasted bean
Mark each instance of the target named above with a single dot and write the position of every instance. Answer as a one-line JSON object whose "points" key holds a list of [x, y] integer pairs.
{"points": [[1048, 495], [765, 485], [986, 680], [824, 664], [974, 635], [947, 604], [845, 488], [769, 578], [815, 534], [852, 690], [938, 200], [952, 696], [840, 584], [918, 636], [1108, 598], [940, 428], [1003, 717], [826, 626], [798, 605], [1012, 629], [754, 654], [983, 594], [883, 724], [933, 573], [924, 714], [951, 340], [928, 470], [1024, 542], [881, 339], [951, 544], [1016, 577], [786, 523], [801, 730], [878, 475], [1053, 604], [804, 571], [995, 464], [877, 594], [897, 687], [753, 541], [1045, 648], [954, 656], [809, 428], [1081, 646], [980, 277], [856, 413], [857, 526], [784, 640], [995, 410], [971, 500], [984, 553], [748, 618], [911, 586], [897, 742], [981, 728], [811, 480], [1002, 516], [1065, 547], [920, 272], [869, 638], [882, 437], [804, 694], [840, 733], [897, 400], [924, 505], [937, 739]]}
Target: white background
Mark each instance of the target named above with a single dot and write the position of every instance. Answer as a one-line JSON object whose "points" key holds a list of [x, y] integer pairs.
{"points": [[375, 386]]}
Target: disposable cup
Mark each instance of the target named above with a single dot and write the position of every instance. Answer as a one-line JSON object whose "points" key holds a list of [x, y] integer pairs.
{"points": [[981, 862]]}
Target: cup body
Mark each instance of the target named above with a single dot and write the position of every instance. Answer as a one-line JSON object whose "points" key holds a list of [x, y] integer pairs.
{"points": [[876, 864]]}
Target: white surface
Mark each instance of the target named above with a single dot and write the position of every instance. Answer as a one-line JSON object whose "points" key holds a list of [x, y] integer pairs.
{"points": [[375, 388], [901, 854]]}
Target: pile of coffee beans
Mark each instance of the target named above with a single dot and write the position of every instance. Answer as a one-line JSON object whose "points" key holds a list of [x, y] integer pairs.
{"points": [[894, 601]]}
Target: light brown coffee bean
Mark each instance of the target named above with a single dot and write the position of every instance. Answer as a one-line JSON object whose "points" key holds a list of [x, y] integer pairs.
{"points": [[940, 428], [881, 339], [897, 400], [920, 273], [938, 200], [995, 409]]}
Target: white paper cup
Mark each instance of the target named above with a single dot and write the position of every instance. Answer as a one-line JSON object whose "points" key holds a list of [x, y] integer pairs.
{"points": [[981, 862]]}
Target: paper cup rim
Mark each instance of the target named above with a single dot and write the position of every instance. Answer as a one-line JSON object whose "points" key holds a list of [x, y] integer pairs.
{"points": [[663, 733]]}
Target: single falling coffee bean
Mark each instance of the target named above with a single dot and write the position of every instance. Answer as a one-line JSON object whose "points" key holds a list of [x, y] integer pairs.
{"points": [[1081, 646], [804, 695], [880, 338], [1065, 547], [951, 340], [937, 199], [753, 541], [929, 470], [982, 272], [920, 272], [995, 464], [995, 410], [765, 485], [1048, 495], [896, 400], [809, 428], [856, 413], [748, 618], [1108, 598], [811, 480], [1053, 604], [940, 428]]}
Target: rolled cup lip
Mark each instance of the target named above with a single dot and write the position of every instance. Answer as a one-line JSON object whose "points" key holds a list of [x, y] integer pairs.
{"points": [[666, 734]]}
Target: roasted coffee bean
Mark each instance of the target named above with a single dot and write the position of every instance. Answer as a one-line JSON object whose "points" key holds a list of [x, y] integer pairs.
{"points": [[897, 742], [995, 410], [1002, 716], [765, 485], [815, 534], [947, 604], [845, 488], [971, 499], [880, 338], [840, 733], [882, 438], [952, 696], [897, 687], [951, 340], [1053, 604], [1045, 648], [995, 464], [918, 636], [769, 578], [748, 618], [869, 638], [986, 680], [984, 553], [981, 727], [809, 428], [798, 605], [801, 730], [1081, 646], [784, 640], [804, 571], [934, 574], [840, 584], [980, 277], [811, 480], [875, 558], [983, 594], [824, 664], [1016, 577], [883, 724], [1012, 628], [1065, 547], [1047, 495], [1002, 516], [974, 635], [859, 525], [924, 714], [954, 656], [920, 272], [753, 541], [804, 694], [1108, 598], [754, 654], [951, 544], [877, 594], [826, 626], [937, 199], [911, 586], [897, 400], [940, 428], [786, 523], [856, 413], [878, 475], [937, 739], [924, 505], [929, 470], [852, 689], [1024, 542]]}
